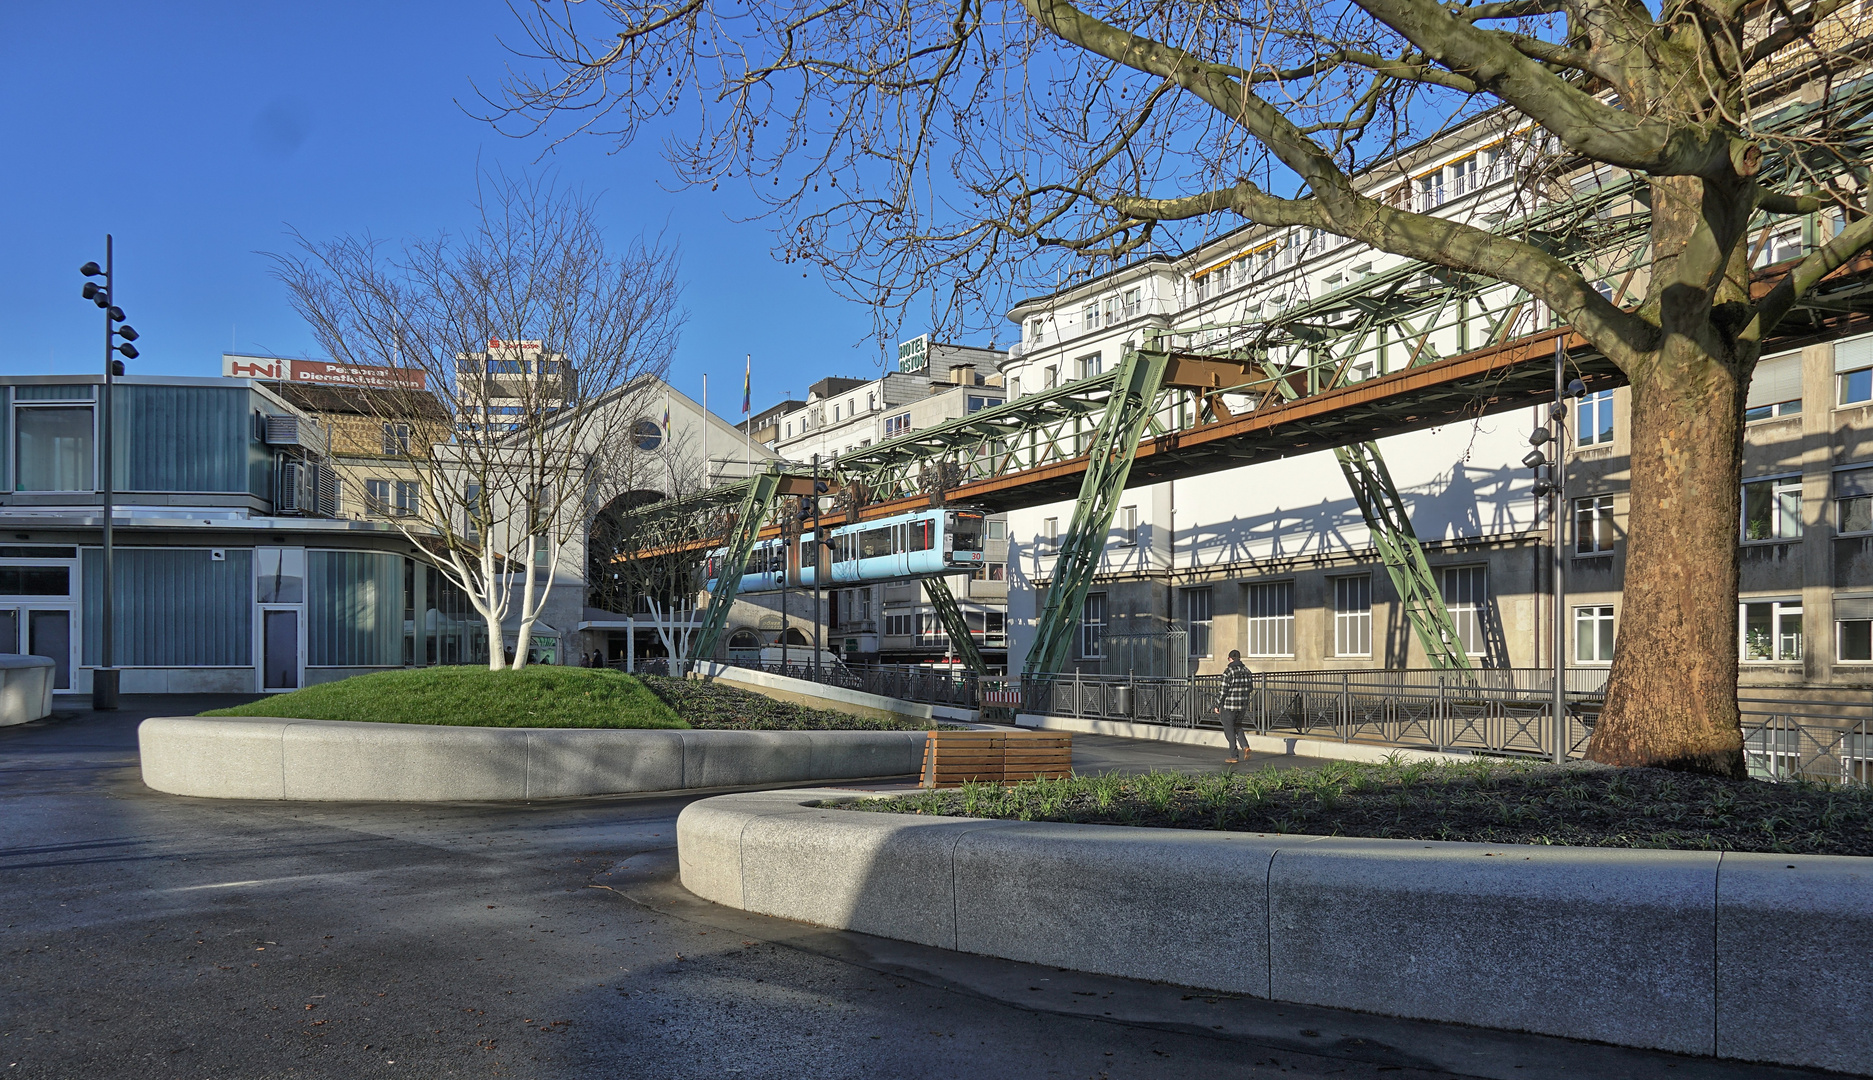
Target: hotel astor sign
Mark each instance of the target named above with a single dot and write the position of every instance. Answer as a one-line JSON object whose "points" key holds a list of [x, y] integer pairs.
{"points": [[320, 372]]}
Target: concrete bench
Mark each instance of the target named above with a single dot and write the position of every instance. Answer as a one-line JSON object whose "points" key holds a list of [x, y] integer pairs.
{"points": [[25, 688]]}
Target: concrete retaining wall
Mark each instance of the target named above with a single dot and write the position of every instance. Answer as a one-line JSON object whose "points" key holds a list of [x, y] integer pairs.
{"points": [[25, 688], [1331, 749], [271, 758], [1741, 956], [835, 698]]}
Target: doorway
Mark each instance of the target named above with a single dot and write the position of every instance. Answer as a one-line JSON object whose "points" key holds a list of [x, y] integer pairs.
{"points": [[280, 649], [43, 632]]}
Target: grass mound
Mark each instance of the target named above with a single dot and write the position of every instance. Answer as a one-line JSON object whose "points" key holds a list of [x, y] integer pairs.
{"points": [[1493, 802], [721, 705], [539, 695]]}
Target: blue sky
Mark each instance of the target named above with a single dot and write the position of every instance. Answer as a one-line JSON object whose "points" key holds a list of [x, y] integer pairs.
{"points": [[197, 132]]}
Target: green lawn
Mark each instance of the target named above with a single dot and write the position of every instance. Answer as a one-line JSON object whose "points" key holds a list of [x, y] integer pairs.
{"points": [[539, 695]]}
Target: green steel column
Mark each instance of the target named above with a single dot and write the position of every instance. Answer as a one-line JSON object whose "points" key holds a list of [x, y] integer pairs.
{"points": [[762, 488], [954, 624], [1399, 547], [1108, 465]]}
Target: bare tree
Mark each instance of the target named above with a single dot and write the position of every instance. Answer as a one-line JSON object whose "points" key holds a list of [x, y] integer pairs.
{"points": [[946, 148], [530, 334]]}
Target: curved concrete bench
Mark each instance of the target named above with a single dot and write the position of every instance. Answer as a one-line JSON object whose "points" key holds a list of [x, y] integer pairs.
{"points": [[1741, 956], [271, 758], [25, 688]]}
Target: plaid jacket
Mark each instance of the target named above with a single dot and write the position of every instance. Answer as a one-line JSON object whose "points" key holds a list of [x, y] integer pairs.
{"points": [[1238, 680]]}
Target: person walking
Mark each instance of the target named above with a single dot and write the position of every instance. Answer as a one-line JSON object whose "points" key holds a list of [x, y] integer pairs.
{"points": [[1238, 680]]}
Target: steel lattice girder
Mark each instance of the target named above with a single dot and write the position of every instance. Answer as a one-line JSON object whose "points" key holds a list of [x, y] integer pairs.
{"points": [[950, 614], [756, 503], [1403, 555], [1109, 463]]}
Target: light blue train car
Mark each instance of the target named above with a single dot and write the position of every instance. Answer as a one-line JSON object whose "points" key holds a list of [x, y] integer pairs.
{"points": [[922, 543]]}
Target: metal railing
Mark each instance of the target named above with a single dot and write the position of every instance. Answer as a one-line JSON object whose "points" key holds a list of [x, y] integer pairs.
{"points": [[1504, 711], [1495, 710], [1805, 739]]}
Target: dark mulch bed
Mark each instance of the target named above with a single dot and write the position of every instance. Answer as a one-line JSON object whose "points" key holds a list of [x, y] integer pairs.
{"points": [[1486, 802], [718, 705]]}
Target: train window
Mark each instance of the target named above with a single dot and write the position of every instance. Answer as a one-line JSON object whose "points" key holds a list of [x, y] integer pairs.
{"points": [[921, 535], [967, 528], [873, 543]]}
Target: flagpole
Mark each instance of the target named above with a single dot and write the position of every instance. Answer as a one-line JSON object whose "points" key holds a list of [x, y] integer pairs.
{"points": [[747, 417], [706, 480]]}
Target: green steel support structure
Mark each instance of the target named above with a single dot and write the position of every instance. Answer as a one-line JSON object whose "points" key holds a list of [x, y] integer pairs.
{"points": [[1385, 326], [1109, 464], [756, 503], [954, 624]]}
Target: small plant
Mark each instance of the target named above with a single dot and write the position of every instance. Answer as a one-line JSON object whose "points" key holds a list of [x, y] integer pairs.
{"points": [[1482, 801]]}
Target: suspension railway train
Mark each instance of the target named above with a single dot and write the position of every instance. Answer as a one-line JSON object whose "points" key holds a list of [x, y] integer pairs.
{"points": [[922, 543]]}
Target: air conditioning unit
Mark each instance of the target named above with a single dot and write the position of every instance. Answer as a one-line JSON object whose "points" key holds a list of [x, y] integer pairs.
{"points": [[291, 488], [283, 431], [288, 430], [322, 487]]}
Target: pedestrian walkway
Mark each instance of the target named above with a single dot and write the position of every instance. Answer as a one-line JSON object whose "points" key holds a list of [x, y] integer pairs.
{"points": [[1101, 754]]}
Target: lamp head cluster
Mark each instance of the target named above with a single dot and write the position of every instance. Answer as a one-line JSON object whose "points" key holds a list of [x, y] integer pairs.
{"points": [[1541, 436], [113, 315]]}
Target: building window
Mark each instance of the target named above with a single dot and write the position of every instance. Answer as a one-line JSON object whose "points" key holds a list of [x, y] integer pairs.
{"points": [[1089, 317], [377, 498], [1431, 191], [1769, 412], [1352, 616], [1092, 625], [1050, 378], [896, 425], [1853, 500], [1595, 426], [897, 626], [1271, 619], [1593, 525], [1134, 300], [54, 449], [1593, 634], [1853, 628], [995, 624], [1035, 326], [1856, 386], [930, 631], [1465, 177], [1050, 530], [1128, 526], [990, 572], [835, 414], [1772, 509], [1466, 598], [409, 498], [1197, 620], [977, 404], [397, 440], [998, 530], [1772, 630], [647, 435], [1091, 364]]}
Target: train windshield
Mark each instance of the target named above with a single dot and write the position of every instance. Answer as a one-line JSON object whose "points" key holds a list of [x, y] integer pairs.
{"points": [[967, 528]]}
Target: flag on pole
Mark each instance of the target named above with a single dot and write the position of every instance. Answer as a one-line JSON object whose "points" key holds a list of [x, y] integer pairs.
{"points": [[747, 387], [666, 419]]}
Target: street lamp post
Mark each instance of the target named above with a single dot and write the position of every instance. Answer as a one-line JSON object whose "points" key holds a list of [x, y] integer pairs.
{"points": [[1554, 487], [104, 679]]}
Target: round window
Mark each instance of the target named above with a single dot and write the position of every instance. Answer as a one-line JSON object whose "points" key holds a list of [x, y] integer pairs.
{"points": [[647, 435]]}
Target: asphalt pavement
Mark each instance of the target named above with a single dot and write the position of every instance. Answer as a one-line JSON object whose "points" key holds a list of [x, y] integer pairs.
{"points": [[151, 935]]}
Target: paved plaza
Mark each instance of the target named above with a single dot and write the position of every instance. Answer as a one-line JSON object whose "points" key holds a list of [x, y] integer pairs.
{"points": [[153, 935]]}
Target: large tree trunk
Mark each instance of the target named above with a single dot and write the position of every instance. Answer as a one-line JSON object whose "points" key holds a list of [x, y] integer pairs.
{"points": [[1671, 701]]}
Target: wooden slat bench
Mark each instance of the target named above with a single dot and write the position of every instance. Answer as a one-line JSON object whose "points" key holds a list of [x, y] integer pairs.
{"points": [[954, 758]]}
